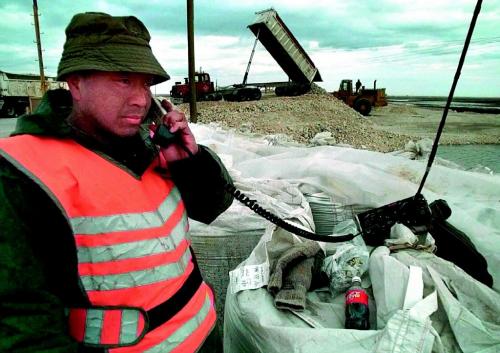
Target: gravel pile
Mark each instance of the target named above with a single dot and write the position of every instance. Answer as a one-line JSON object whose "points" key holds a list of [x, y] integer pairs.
{"points": [[300, 119]]}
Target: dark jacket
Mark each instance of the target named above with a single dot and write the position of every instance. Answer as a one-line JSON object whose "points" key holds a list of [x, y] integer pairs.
{"points": [[38, 263]]}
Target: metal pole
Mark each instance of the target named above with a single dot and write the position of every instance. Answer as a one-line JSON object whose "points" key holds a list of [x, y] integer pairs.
{"points": [[251, 57], [192, 85], [43, 84]]}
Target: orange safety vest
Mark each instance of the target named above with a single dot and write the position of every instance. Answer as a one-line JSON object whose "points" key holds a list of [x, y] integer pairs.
{"points": [[134, 260]]}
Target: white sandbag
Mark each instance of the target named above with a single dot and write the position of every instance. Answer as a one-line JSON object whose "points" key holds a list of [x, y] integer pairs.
{"points": [[471, 308], [253, 324], [387, 272], [369, 179]]}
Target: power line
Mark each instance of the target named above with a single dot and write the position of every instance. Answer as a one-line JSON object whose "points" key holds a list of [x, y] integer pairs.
{"points": [[437, 48], [411, 55]]}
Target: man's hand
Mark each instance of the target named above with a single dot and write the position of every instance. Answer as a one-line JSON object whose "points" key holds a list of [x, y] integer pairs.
{"points": [[177, 124]]}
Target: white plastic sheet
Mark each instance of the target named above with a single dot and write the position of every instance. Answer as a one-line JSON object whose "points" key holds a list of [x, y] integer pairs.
{"points": [[467, 317], [360, 177]]}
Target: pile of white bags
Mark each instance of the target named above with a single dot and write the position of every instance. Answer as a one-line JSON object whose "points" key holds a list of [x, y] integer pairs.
{"points": [[445, 310]]}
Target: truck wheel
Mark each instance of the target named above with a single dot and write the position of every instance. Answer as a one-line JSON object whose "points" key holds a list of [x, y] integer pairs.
{"points": [[363, 106], [8, 111], [11, 112], [257, 95], [292, 91], [241, 96]]}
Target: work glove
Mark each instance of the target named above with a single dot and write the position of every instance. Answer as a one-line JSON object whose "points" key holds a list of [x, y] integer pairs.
{"points": [[293, 274]]}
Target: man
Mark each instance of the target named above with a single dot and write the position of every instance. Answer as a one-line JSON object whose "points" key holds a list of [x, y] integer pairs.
{"points": [[358, 85], [93, 216]]}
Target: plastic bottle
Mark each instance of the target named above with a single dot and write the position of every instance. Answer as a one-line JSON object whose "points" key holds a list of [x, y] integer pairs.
{"points": [[357, 314]]}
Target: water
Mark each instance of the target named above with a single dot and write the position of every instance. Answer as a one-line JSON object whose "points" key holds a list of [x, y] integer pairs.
{"points": [[459, 104], [469, 156]]}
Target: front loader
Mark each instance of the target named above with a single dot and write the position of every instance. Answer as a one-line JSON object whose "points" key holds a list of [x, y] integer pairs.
{"points": [[363, 99]]}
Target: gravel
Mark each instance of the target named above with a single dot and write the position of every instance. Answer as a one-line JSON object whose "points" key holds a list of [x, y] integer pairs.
{"points": [[301, 119]]}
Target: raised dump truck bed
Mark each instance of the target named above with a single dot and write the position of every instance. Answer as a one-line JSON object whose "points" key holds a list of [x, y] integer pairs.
{"points": [[284, 47]]}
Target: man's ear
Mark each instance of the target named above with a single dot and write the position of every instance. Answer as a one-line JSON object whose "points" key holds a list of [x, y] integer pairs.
{"points": [[74, 83]]}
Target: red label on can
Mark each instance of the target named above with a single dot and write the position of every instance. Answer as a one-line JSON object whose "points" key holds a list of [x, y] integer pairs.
{"points": [[356, 296]]}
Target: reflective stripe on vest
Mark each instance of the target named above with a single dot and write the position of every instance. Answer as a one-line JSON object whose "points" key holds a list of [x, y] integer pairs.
{"points": [[112, 326], [119, 222], [126, 327], [131, 245]]}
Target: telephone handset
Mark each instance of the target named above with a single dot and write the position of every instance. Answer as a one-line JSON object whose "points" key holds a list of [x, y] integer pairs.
{"points": [[163, 137]]}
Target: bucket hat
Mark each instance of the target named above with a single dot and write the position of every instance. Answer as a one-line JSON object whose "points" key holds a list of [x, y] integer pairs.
{"points": [[101, 42]]}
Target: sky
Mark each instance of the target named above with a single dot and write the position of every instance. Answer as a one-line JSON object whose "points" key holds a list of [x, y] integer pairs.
{"points": [[409, 47]]}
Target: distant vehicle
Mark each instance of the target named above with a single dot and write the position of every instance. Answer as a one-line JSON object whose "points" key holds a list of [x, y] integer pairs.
{"points": [[205, 89], [19, 92], [279, 41], [364, 99]]}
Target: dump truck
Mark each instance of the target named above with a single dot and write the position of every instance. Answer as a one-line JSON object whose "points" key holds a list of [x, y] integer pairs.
{"points": [[20, 92], [279, 41], [361, 100]]}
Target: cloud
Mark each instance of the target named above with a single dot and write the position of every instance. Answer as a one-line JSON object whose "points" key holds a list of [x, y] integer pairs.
{"points": [[406, 46]]}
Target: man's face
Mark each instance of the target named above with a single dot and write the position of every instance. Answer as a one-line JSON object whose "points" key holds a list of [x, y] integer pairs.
{"points": [[111, 102]]}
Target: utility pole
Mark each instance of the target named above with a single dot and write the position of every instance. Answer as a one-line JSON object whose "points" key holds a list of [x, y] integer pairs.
{"points": [[192, 85], [43, 83]]}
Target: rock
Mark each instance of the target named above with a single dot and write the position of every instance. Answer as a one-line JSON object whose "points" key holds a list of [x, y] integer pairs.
{"points": [[300, 119]]}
